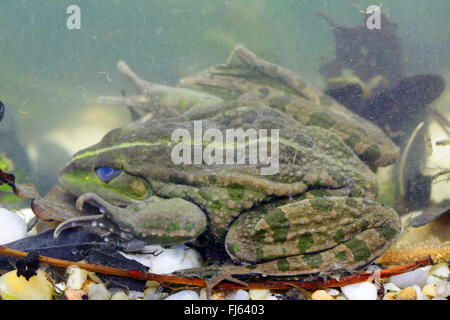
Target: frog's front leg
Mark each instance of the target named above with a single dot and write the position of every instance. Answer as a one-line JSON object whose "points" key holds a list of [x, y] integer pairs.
{"points": [[164, 222], [313, 235]]}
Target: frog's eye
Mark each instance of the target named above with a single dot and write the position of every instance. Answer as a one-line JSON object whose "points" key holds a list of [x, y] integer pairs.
{"points": [[107, 174]]}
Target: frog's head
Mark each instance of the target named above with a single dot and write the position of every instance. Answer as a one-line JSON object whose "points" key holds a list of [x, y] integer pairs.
{"points": [[109, 169]]}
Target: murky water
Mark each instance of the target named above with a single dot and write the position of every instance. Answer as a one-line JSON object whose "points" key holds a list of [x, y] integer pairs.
{"points": [[53, 65]]}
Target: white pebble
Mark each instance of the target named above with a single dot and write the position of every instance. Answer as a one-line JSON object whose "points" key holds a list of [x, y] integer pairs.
{"points": [[420, 294], [168, 260], [238, 295], [119, 296], [440, 284], [76, 278], [439, 298], [360, 291], [333, 292], [391, 287], [134, 295], [440, 270], [409, 279], [192, 259], [26, 213], [98, 292], [184, 295], [12, 227]]}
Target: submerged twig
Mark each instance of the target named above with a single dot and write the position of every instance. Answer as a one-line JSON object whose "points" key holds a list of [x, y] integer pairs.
{"points": [[225, 286]]}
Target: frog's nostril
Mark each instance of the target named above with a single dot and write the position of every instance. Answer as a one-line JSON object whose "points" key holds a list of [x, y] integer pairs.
{"points": [[106, 174]]}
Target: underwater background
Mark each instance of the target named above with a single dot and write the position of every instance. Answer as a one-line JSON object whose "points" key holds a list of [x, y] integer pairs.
{"points": [[51, 76]]}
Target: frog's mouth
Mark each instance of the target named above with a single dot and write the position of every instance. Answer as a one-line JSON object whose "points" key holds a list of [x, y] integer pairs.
{"points": [[101, 224]]}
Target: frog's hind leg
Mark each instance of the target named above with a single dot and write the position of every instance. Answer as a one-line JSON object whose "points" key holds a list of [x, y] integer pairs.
{"points": [[313, 235], [347, 256]]}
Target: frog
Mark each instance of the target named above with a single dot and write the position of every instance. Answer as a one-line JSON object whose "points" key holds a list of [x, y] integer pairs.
{"points": [[317, 213]]}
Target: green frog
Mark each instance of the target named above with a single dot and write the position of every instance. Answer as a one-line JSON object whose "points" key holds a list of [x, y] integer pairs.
{"points": [[315, 213]]}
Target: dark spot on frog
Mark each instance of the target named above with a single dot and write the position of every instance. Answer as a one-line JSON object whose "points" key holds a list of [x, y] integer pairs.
{"points": [[279, 224], [321, 119], [305, 242], [280, 102], [386, 232], [313, 260], [359, 249], [340, 255], [352, 140], [172, 227], [189, 226], [339, 236], [283, 265], [322, 204], [259, 235], [233, 248]]}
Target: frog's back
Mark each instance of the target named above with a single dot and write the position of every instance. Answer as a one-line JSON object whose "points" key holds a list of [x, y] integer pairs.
{"points": [[310, 159]]}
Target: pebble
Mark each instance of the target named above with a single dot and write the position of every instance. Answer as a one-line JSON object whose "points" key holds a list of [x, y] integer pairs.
{"points": [[420, 294], [135, 295], [333, 292], [156, 296], [238, 295], [168, 260], [76, 278], [12, 227], [19, 288], [258, 294], [405, 294], [214, 296], [321, 295], [98, 291], [408, 279], [440, 284], [360, 291], [430, 290], [391, 287], [73, 294], [119, 296], [440, 270], [184, 295]]}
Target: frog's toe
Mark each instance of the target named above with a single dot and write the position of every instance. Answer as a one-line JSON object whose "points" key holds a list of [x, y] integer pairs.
{"points": [[212, 282], [91, 221], [94, 200]]}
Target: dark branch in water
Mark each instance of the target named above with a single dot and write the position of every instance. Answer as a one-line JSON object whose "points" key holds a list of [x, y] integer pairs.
{"points": [[2, 110]]}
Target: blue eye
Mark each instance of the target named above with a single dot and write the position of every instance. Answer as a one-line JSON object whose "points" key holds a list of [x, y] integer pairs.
{"points": [[107, 174]]}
